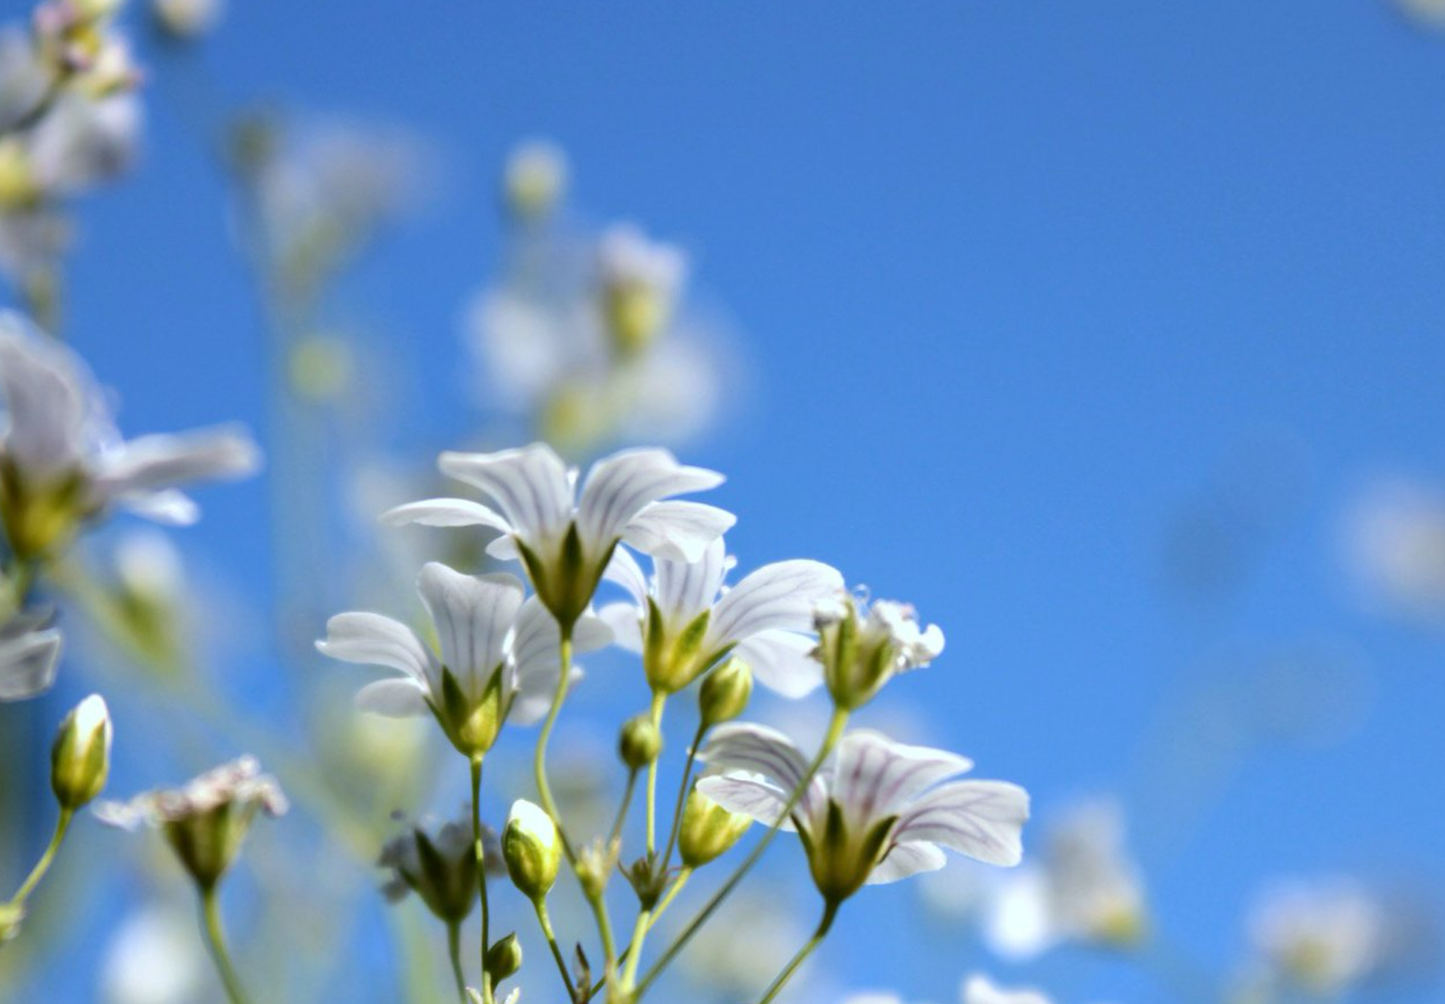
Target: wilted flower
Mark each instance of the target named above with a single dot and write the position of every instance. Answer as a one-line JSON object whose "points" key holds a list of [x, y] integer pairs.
{"points": [[206, 821], [499, 656], [29, 654], [979, 989], [438, 863], [62, 462], [565, 542], [684, 621], [876, 812], [863, 645]]}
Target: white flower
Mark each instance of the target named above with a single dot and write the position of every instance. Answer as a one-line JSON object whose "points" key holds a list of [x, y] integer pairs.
{"points": [[186, 19], [82, 142], [64, 461], [641, 281], [683, 621], [499, 656], [1426, 12], [1323, 936], [863, 645], [154, 958], [979, 989], [534, 178], [877, 812], [566, 541], [1396, 545], [29, 654]]}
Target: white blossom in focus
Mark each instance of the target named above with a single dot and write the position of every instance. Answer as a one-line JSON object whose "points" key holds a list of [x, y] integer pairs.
{"points": [[862, 645]]}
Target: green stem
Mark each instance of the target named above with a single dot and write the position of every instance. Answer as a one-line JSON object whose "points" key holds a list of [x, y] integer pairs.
{"points": [[545, 920], [678, 883], [829, 912], [658, 700], [539, 758], [454, 950], [616, 833], [835, 732], [216, 942], [634, 951], [62, 825], [682, 793], [480, 850], [604, 930]]}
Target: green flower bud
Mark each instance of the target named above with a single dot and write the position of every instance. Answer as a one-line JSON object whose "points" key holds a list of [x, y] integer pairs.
{"points": [[708, 830], [532, 848], [80, 758], [504, 959], [725, 692], [594, 867], [640, 742]]}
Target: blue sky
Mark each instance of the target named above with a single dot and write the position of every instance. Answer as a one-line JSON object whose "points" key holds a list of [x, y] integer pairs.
{"points": [[1019, 284]]}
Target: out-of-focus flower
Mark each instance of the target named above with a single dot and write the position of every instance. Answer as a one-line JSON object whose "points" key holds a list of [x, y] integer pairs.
{"points": [[534, 179], [1395, 539], [499, 656], [979, 989], [29, 654], [1426, 12], [565, 542], [877, 812], [438, 863], [1323, 937], [62, 462], [205, 821], [641, 281], [154, 958], [864, 645], [186, 20], [683, 621]]}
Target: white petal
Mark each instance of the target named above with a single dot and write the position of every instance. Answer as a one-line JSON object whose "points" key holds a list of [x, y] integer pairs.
{"points": [[504, 548], [374, 640], [783, 662], [150, 463], [530, 485], [758, 799], [904, 860], [677, 531], [591, 633], [624, 570], [535, 695], [979, 990], [749, 748], [171, 508], [472, 614], [28, 663], [393, 697], [619, 486], [875, 777], [445, 512], [625, 621], [48, 398], [777, 596], [983, 819], [686, 589]]}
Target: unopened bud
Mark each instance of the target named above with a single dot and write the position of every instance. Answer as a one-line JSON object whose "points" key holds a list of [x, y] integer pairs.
{"points": [[504, 959], [708, 830], [594, 867], [725, 692], [640, 742], [532, 848], [80, 758]]}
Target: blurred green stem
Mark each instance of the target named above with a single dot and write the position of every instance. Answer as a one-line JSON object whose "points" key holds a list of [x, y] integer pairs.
{"points": [[829, 912], [216, 942], [480, 849], [454, 949], [62, 826]]}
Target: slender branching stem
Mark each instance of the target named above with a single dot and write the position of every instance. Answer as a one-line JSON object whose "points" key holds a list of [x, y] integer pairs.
{"points": [[216, 942], [659, 699], [62, 826], [539, 758], [616, 833], [454, 950], [545, 920], [479, 848], [829, 912], [683, 791]]}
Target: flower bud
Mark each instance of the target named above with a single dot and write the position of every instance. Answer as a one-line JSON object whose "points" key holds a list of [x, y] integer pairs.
{"points": [[708, 830], [532, 848], [80, 758], [725, 692], [504, 959], [640, 742], [594, 867]]}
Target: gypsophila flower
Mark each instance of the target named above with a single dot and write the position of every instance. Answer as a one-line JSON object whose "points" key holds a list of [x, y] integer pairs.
{"points": [[876, 812], [565, 541], [979, 989], [683, 621], [499, 657], [863, 645], [207, 820], [62, 462], [29, 655]]}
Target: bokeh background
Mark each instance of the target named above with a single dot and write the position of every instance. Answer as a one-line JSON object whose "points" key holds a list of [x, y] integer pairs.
{"points": [[1109, 334]]}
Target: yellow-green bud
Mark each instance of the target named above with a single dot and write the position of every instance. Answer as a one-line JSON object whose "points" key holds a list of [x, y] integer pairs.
{"points": [[11, 916], [532, 848], [80, 758], [708, 830], [594, 867], [640, 742], [725, 692], [504, 958]]}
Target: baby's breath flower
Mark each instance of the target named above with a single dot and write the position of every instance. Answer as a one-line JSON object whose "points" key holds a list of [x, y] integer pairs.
{"points": [[863, 645], [683, 621], [564, 540], [876, 812], [205, 821]]}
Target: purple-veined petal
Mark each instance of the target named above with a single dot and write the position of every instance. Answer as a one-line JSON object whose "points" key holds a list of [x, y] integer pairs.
{"points": [[677, 531], [620, 486], [759, 799], [874, 777], [472, 614], [529, 485], [624, 620], [983, 819], [28, 662], [394, 697], [686, 589], [777, 596], [150, 463], [446, 512], [904, 860], [375, 640], [624, 570]]}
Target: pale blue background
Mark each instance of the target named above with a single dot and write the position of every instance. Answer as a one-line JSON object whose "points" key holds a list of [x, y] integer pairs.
{"points": [[1019, 283]]}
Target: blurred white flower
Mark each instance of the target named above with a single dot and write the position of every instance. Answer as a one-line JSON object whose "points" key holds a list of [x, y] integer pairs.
{"points": [[979, 989], [29, 655], [745, 946], [534, 179], [186, 19], [763, 619], [1324, 936], [876, 812], [1395, 539], [1427, 12], [155, 957]]}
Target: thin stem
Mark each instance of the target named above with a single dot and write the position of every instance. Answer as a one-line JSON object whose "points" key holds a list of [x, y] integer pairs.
{"points": [[454, 949], [616, 833], [639, 933], [677, 884], [216, 942], [62, 825], [545, 920], [829, 912], [604, 930], [683, 792], [479, 848], [835, 732], [658, 700], [539, 758]]}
